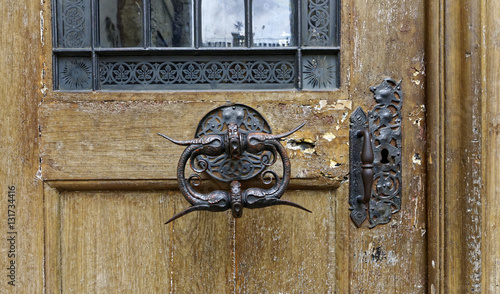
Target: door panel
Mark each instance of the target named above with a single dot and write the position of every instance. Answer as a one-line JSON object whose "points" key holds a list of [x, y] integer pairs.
{"points": [[387, 39], [110, 182], [378, 39], [118, 140], [301, 251], [101, 232], [115, 241]]}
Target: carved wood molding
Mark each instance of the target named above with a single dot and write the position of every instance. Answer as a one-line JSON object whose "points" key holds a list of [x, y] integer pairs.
{"points": [[462, 102]]}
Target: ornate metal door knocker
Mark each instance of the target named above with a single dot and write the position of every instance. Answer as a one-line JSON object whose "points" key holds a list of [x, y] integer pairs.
{"points": [[233, 143]]}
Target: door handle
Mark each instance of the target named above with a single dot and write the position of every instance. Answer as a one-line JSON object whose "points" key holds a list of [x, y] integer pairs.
{"points": [[233, 143], [366, 165], [375, 157]]}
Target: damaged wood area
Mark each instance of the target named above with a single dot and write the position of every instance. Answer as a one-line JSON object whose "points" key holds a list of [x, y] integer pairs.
{"points": [[117, 140]]}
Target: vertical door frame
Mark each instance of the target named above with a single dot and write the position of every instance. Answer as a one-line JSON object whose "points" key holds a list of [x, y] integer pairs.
{"points": [[462, 61]]}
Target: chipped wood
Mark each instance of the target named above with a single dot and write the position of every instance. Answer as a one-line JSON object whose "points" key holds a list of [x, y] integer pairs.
{"points": [[20, 64]]}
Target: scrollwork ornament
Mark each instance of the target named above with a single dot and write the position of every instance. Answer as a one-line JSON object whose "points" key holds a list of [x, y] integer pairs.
{"points": [[233, 143], [384, 185], [164, 73], [73, 20], [385, 125], [318, 22]]}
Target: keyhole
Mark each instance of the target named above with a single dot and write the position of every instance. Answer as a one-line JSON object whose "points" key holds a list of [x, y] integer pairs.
{"points": [[385, 155]]}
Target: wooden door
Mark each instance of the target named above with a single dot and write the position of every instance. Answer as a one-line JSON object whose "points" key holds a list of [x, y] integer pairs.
{"points": [[95, 184]]}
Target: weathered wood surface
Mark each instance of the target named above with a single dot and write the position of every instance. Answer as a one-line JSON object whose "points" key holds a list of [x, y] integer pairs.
{"points": [[114, 242], [301, 251], [382, 39], [20, 72], [118, 140], [490, 83], [463, 99], [117, 242], [110, 137], [387, 40]]}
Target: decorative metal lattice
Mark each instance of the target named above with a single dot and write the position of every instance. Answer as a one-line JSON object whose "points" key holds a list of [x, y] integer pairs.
{"points": [[223, 167], [197, 72], [384, 127], [75, 73], [74, 26], [318, 21], [319, 72], [310, 64]]}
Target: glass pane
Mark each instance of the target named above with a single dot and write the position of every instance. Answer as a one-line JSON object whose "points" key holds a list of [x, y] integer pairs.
{"points": [[73, 19], [200, 72], [120, 23], [223, 23], [74, 73], [319, 23], [273, 23], [171, 23], [320, 72]]}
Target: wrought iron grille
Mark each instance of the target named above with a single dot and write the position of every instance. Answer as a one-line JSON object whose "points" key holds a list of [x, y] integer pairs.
{"points": [[167, 45]]}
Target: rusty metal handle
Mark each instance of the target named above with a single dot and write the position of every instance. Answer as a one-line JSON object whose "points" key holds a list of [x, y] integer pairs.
{"points": [[366, 165]]}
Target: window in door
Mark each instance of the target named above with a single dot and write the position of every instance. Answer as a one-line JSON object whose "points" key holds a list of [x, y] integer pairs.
{"points": [[196, 44]]}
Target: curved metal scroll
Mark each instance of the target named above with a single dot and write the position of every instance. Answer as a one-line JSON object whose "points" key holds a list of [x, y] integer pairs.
{"points": [[233, 143]]}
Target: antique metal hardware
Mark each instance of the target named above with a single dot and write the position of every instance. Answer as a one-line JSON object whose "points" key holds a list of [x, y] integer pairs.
{"points": [[375, 157], [233, 143]]}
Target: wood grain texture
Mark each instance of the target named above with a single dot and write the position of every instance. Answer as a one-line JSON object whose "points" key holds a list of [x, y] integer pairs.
{"points": [[458, 158], [491, 144], [202, 246], [52, 234], [435, 141], [296, 248], [114, 242], [118, 140], [388, 41], [20, 71]]}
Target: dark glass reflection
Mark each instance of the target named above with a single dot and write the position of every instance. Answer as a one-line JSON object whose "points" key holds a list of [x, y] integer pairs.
{"points": [[171, 23], [223, 23], [120, 23], [273, 23]]}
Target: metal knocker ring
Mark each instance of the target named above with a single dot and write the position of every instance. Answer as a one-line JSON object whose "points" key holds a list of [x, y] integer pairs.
{"points": [[233, 143]]}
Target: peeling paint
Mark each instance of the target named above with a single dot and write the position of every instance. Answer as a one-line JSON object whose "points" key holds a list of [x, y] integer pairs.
{"points": [[329, 136], [337, 105], [321, 105], [42, 38], [417, 159], [417, 116], [344, 117], [307, 146], [309, 151], [39, 173], [334, 164]]}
